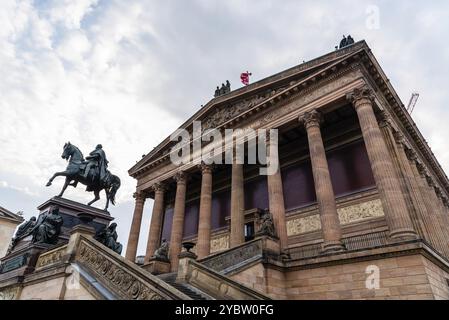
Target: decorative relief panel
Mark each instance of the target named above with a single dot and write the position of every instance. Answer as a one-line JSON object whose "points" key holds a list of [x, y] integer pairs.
{"points": [[51, 257], [219, 243], [349, 214], [119, 279], [303, 225], [10, 293], [361, 211]]}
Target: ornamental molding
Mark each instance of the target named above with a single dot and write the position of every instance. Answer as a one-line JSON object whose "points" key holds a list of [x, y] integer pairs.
{"points": [[347, 215], [51, 257], [219, 243], [117, 278]]}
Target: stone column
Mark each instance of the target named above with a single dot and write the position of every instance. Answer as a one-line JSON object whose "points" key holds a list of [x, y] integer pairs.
{"points": [[157, 218], [134, 233], [178, 220], [204, 224], [276, 194], [237, 206], [398, 219], [330, 224]]}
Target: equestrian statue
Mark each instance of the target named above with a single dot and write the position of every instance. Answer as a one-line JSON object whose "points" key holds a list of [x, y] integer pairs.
{"points": [[91, 172]]}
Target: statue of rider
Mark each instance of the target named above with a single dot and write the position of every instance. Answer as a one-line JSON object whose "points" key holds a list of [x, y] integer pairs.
{"points": [[97, 158]]}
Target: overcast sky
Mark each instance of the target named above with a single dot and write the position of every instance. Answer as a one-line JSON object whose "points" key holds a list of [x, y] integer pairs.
{"points": [[126, 73]]}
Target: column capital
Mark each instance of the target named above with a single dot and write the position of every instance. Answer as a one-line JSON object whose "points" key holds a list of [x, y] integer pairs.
{"points": [[140, 195], [360, 95], [159, 187], [421, 169], [430, 181], [311, 119], [180, 177], [206, 168]]}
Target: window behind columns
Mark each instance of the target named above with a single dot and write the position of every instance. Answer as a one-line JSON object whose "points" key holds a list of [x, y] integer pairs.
{"points": [[167, 224], [350, 169], [221, 208], [256, 193], [191, 218], [298, 185], [350, 172]]}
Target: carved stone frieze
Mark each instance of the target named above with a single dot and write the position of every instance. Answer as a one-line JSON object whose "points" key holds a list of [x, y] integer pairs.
{"points": [[219, 243], [303, 225], [347, 215], [359, 212], [120, 280], [51, 257]]}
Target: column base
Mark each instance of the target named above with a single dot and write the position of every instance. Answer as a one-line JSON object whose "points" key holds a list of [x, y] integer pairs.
{"points": [[404, 233], [332, 246]]}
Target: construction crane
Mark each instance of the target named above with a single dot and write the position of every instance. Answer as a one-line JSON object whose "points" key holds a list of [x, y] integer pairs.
{"points": [[412, 102]]}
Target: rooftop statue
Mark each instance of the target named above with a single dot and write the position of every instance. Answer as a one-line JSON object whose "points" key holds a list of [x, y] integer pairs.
{"points": [[92, 172], [225, 88], [346, 41]]}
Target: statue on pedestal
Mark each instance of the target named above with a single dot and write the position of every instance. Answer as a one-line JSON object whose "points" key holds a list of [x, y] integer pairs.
{"points": [[48, 227], [108, 236], [266, 225], [23, 231], [91, 172], [162, 252]]}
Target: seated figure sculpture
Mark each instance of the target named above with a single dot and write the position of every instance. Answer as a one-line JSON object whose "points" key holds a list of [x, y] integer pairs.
{"points": [[266, 224], [108, 236], [162, 252], [24, 230]]}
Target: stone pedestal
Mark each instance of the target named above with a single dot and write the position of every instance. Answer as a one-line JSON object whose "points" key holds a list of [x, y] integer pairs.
{"points": [[21, 261], [77, 218], [70, 212], [157, 266]]}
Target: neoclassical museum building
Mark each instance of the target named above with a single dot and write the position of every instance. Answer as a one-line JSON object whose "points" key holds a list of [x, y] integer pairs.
{"points": [[358, 189], [356, 209]]}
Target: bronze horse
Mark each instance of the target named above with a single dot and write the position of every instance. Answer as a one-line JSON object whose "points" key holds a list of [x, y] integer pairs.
{"points": [[75, 172]]}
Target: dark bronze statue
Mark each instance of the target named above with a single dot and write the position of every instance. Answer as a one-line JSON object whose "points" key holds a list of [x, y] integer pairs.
{"points": [[346, 41], [225, 88], [23, 231], [162, 252], [93, 173], [48, 227], [266, 224], [108, 236]]}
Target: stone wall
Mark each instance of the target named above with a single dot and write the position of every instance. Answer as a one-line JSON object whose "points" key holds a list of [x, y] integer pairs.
{"points": [[406, 277], [7, 229]]}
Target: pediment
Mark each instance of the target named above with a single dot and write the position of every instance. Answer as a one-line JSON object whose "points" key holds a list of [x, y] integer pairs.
{"points": [[5, 213]]}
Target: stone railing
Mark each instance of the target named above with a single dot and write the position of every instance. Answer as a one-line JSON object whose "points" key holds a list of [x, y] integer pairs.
{"points": [[235, 257], [360, 242], [123, 278], [51, 257], [216, 284]]}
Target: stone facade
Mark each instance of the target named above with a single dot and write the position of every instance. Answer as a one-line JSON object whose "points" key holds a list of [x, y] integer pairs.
{"points": [[8, 224]]}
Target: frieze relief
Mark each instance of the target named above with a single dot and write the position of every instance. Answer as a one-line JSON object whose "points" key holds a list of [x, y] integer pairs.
{"points": [[349, 214], [359, 212], [219, 243], [51, 257]]}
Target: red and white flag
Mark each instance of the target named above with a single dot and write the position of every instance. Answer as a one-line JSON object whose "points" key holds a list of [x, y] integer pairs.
{"points": [[244, 77]]}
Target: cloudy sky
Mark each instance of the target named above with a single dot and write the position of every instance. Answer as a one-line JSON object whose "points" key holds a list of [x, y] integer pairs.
{"points": [[126, 73]]}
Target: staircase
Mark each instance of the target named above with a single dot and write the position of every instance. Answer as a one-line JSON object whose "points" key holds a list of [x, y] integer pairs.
{"points": [[185, 288]]}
